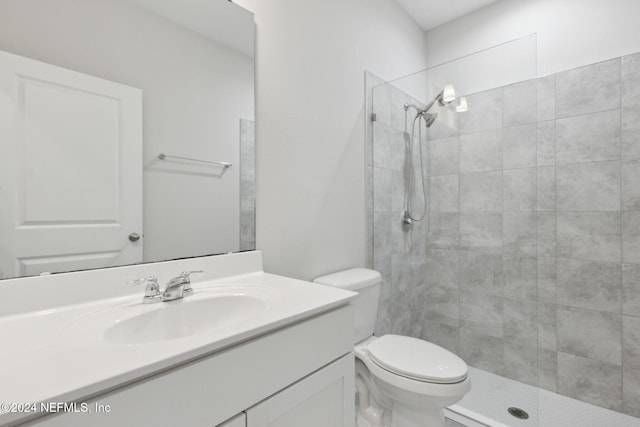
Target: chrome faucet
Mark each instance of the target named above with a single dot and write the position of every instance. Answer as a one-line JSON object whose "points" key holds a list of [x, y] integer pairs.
{"points": [[178, 287], [151, 292]]}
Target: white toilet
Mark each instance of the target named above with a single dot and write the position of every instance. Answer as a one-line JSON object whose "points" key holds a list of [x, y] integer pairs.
{"points": [[401, 381]]}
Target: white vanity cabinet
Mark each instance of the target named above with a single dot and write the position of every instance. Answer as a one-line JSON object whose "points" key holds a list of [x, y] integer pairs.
{"points": [[325, 398], [298, 375]]}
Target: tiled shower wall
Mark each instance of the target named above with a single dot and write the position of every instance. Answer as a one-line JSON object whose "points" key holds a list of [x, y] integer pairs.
{"points": [[530, 263], [400, 257]]}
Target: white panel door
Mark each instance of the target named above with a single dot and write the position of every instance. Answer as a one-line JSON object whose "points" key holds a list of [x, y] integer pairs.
{"points": [[325, 398], [70, 169]]}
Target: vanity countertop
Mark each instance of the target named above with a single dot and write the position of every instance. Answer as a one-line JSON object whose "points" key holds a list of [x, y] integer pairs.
{"points": [[61, 354]]}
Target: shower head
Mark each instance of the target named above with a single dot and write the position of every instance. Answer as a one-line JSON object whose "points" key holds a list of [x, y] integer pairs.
{"points": [[430, 119]]}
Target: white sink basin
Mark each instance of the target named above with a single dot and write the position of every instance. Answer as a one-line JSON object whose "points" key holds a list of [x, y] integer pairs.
{"points": [[208, 310], [185, 317]]}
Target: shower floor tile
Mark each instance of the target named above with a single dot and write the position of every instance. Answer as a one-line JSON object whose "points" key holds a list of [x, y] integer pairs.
{"points": [[491, 395]]}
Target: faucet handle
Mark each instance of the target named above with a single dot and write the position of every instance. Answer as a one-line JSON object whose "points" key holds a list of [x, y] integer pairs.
{"points": [[187, 286], [142, 280], [152, 291], [188, 273]]}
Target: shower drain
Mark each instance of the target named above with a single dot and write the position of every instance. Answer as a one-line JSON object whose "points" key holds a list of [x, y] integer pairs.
{"points": [[518, 413]]}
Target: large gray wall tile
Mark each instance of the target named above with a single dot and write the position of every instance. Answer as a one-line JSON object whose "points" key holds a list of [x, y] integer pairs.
{"points": [[518, 103], [631, 391], [444, 155], [631, 289], [589, 138], [381, 241], [521, 321], [631, 342], [441, 334], [546, 98], [480, 273], [400, 312], [481, 151], [546, 234], [548, 326], [444, 193], [630, 183], [407, 270], [388, 147], [397, 190], [481, 232], [589, 380], [482, 312], [482, 350], [589, 235], [630, 114], [588, 186], [519, 146], [519, 190], [590, 284], [588, 89], [444, 230], [519, 233], [520, 277], [546, 200], [546, 143], [442, 305], [441, 268], [381, 189], [588, 333], [548, 370], [481, 192], [631, 237], [547, 279], [484, 113], [521, 362], [446, 126]]}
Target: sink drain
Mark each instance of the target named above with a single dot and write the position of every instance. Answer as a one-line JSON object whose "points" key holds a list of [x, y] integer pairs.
{"points": [[518, 413]]}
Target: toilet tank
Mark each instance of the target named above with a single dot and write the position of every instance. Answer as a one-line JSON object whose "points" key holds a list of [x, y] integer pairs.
{"points": [[367, 284]]}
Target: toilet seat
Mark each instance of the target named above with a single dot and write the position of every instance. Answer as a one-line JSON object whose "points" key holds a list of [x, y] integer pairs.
{"points": [[417, 359], [411, 388]]}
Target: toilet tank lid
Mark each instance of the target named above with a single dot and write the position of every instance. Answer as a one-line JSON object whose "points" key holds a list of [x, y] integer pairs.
{"points": [[352, 280]]}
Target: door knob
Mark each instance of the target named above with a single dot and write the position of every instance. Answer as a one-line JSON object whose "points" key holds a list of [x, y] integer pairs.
{"points": [[134, 237]]}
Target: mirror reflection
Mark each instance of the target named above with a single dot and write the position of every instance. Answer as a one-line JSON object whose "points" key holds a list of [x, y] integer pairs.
{"points": [[127, 132]]}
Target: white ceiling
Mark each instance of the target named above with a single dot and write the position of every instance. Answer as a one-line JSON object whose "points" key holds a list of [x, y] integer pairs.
{"points": [[432, 13], [218, 20]]}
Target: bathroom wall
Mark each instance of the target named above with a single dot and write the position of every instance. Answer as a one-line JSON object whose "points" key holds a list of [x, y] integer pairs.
{"points": [[196, 118], [532, 267], [570, 33], [247, 184], [311, 58]]}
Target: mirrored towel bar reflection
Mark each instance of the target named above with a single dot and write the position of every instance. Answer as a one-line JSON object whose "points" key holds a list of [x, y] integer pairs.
{"points": [[163, 156]]}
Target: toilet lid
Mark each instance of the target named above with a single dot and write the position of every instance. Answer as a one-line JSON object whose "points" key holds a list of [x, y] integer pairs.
{"points": [[417, 359]]}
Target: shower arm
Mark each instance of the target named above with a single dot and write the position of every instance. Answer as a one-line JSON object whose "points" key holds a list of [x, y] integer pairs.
{"points": [[437, 99]]}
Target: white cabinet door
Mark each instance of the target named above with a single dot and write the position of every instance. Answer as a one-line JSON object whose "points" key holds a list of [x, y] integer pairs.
{"points": [[70, 169], [323, 399], [237, 421]]}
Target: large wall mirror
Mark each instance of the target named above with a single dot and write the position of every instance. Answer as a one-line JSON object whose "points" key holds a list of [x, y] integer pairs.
{"points": [[126, 132]]}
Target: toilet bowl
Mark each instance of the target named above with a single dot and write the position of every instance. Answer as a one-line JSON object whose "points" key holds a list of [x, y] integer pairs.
{"points": [[400, 381]]}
